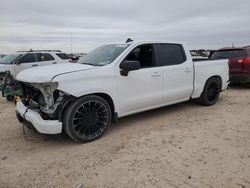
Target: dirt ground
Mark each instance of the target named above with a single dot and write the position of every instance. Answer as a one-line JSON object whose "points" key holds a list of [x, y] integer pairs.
{"points": [[184, 145]]}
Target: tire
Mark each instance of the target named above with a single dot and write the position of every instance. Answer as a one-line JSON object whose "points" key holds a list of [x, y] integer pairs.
{"points": [[2, 75], [10, 98], [211, 92], [87, 119]]}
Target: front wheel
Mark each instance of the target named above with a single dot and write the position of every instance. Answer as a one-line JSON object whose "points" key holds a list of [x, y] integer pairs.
{"points": [[211, 92], [87, 118]]}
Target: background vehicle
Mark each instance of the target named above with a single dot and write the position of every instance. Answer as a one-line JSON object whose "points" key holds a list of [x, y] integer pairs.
{"points": [[239, 63], [15, 63], [114, 81]]}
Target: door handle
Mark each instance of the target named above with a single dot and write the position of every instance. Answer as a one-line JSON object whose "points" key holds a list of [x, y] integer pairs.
{"points": [[54, 63], [34, 65], [156, 74], [187, 70]]}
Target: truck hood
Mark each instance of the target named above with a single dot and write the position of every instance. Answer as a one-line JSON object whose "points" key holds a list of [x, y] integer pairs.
{"points": [[5, 67], [47, 73]]}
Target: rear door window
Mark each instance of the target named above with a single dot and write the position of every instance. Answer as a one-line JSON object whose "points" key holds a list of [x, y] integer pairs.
{"points": [[229, 54], [62, 55], [170, 54], [28, 58], [45, 57]]}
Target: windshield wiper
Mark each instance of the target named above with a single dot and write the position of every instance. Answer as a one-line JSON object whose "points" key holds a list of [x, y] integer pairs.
{"points": [[92, 64]]}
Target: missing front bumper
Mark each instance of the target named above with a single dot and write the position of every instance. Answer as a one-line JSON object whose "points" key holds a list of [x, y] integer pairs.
{"points": [[33, 119]]}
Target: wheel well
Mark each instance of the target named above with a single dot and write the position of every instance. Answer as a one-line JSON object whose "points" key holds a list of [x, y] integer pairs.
{"points": [[108, 99], [103, 95], [211, 78], [215, 77]]}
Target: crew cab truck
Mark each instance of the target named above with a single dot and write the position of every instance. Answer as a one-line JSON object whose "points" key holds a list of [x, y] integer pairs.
{"points": [[113, 81]]}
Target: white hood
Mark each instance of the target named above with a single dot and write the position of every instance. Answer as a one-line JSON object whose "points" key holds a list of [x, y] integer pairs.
{"points": [[47, 73], [5, 67]]}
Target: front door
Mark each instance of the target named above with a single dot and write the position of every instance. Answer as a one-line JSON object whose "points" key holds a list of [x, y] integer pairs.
{"points": [[141, 89], [25, 62]]}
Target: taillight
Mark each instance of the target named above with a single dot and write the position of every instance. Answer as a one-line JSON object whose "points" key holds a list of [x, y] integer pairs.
{"points": [[240, 60], [246, 60]]}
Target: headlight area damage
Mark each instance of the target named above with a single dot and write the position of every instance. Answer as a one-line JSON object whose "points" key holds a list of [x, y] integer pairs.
{"points": [[41, 107], [45, 99]]}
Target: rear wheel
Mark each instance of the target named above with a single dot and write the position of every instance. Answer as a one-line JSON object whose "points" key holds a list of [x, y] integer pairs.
{"points": [[10, 98], [87, 118], [211, 92]]}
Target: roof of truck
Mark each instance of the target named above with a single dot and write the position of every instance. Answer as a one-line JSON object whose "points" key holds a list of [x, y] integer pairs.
{"points": [[155, 41], [23, 51]]}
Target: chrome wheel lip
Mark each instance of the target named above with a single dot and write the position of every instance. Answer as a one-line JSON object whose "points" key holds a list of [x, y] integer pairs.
{"points": [[92, 121]]}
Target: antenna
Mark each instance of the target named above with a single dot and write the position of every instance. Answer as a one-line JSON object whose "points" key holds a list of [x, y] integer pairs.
{"points": [[129, 40]]}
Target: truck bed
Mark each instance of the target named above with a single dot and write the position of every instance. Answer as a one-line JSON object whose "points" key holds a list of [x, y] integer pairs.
{"points": [[206, 69]]}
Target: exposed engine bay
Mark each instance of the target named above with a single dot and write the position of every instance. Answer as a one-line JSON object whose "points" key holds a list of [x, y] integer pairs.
{"points": [[45, 99]]}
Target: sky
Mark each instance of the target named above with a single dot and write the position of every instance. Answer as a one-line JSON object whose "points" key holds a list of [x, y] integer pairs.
{"points": [[53, 24]]}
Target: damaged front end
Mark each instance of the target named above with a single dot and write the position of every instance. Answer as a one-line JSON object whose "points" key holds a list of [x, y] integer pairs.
{"points": [[45, 99]]}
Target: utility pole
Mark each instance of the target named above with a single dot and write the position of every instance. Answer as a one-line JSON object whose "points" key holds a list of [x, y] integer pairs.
{"points": [[71, 42]]}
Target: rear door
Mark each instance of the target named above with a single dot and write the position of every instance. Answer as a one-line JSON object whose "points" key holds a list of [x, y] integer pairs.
{"points": [[46, 59], [177, 73], [62, 58]]}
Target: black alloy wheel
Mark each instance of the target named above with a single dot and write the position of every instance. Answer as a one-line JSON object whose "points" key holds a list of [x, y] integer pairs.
{"points": [[87, 119], [211, 92]]}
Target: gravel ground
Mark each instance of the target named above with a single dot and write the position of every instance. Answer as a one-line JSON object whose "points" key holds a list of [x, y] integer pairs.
{"points": [[185, 145]]}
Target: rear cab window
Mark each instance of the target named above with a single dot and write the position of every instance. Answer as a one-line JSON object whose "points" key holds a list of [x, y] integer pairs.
{"points": [[62, 56], [170, 54], [229, 54]]}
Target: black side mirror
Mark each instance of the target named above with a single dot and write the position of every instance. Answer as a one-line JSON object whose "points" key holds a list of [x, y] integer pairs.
{"points": [[128, 65]]}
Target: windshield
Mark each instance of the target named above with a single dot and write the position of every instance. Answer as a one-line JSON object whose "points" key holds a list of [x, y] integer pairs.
{"points": [[228, 54], [9, 58], [103, 55]]}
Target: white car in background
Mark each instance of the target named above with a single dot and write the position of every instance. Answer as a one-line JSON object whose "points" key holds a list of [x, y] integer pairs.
{"points": [[21, 60]]}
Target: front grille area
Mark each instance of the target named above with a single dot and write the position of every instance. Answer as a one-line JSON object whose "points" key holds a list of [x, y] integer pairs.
{"points": [[32, 94]]}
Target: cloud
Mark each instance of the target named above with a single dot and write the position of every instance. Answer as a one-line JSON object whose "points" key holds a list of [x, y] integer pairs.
{"points": [[48, 24]]}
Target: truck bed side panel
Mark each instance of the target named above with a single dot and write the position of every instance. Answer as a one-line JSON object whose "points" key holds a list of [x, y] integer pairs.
{"points": [[207, 69]]}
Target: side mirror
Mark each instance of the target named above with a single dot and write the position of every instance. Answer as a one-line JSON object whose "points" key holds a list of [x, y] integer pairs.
{"points": [[17, 62], [128, 65]]}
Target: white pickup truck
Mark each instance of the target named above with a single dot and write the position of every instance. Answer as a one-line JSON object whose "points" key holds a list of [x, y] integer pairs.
{"points": [[113, 81]]}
